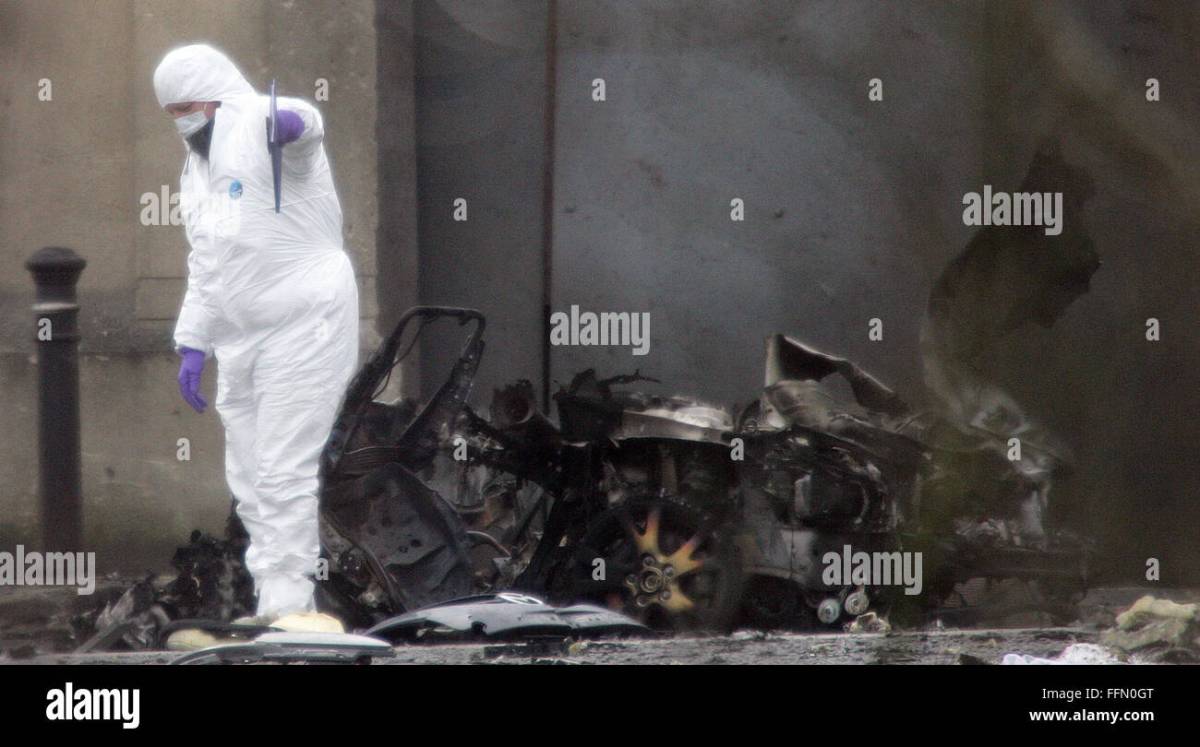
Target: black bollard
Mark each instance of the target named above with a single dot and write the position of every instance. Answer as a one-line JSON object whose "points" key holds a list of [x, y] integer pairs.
{"points": [[55, 271]]}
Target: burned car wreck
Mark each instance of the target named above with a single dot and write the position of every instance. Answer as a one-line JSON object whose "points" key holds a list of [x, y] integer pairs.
{"points": [[635, 512], [681, 514]]}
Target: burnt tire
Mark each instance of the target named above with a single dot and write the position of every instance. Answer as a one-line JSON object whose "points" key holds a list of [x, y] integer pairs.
{"points": [[668, 565]]}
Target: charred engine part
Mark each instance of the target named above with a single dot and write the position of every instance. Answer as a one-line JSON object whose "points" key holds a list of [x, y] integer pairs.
{"points": [[812, 479], [807, 492], [518, 439], [668, 447], [844, 465], [514, 412], [591, 409]]}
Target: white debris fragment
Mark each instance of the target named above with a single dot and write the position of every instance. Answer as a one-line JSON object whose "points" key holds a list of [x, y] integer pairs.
{"points": [[1076, 653]]}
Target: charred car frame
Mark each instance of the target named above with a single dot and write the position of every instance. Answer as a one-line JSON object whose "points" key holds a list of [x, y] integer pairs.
{"points": [[683, 514]]}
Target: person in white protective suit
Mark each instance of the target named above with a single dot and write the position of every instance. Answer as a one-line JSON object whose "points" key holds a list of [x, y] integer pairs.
{"points": [[271, 296]]}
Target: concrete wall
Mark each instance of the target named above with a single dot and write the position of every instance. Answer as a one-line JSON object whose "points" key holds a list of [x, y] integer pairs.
{"points": [[479, 122], [397, 258], [706, 103], [72, 172]]}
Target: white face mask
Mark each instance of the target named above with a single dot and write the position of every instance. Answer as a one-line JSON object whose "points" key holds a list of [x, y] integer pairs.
{"points": [[191, 123]]}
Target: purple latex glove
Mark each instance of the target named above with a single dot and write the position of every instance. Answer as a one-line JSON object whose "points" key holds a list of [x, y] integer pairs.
{"points": [[189, 378], [291, 127]]}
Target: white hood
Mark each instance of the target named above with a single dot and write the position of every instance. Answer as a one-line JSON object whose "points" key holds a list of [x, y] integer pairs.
{"points": [[198, 72]]}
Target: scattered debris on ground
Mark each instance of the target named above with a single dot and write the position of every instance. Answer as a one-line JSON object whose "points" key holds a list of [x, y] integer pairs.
{"points": [[1152, 630], [1157, 630], [211, 584], [869, 622]]}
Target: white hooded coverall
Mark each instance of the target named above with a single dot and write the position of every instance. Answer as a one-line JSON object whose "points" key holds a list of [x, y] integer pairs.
{"points": [[272, 297]]}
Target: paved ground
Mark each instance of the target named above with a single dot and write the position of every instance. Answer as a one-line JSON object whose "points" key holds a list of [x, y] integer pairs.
{"points": [[744, 647], [23, 610]]}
